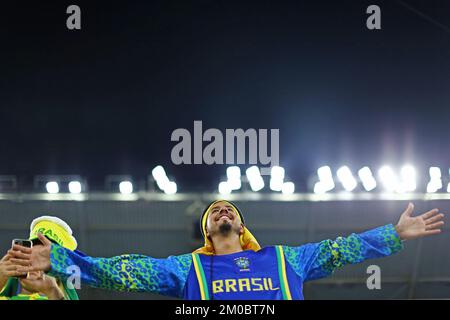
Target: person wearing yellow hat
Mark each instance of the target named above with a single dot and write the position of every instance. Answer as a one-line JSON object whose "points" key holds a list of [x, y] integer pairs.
{"points": [[231, 264], [37, 285], [55, 229], [246, 239]]}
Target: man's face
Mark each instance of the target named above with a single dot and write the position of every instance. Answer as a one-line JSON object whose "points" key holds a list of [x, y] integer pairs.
{"points": [[222, 219]]}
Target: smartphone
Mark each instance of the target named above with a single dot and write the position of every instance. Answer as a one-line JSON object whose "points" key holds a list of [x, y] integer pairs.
{"points": [[23, 243]]}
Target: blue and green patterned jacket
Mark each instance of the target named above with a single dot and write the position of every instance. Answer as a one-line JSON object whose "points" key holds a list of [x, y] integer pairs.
{"points": [[274, 272]]}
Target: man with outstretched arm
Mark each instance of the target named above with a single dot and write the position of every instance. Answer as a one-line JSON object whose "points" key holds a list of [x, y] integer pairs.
{"points": [[231, 264]]}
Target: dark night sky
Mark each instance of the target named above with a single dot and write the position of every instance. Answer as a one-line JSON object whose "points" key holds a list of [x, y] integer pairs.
{"points": [[104, 100]]}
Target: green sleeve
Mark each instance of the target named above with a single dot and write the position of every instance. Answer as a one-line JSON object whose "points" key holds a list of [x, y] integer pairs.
{"points": [[129, 272]]}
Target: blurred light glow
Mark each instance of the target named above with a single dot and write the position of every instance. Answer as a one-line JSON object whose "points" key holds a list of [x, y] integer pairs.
{"points": [[74, 187], [234, 177], [233, 173], [325, 180], [224, 188], [159, 173], [277, 173], [162, 183], [257, 185], [434, 186], [408, 175], [276, 184], [319, 188], [254, 178], [288, 188], [435, 173], [346, 177], [52, 187], [170, 188], [276, 178], [235, 184], [160, 176], [324, 173], [253, 172], [435, 183], [126, 187], [388, 178], [368, 181]]}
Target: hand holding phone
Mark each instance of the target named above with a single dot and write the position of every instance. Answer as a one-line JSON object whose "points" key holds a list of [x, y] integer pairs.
{"points": [[32, 259], [24, 243]]}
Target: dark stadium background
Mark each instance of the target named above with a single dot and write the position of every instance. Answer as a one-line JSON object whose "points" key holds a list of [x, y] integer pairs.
{"points": [[104, 100]]}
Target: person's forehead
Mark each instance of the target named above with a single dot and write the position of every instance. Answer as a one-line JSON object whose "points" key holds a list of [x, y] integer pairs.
{"points": [[221, 204]]}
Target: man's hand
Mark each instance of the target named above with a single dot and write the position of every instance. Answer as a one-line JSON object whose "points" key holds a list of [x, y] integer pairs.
{"points": [[7, 269], [32, 259], [39, 282], [426, 224]]}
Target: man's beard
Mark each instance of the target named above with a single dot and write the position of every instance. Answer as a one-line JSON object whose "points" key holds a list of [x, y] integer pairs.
{"points": [[225, 229]]}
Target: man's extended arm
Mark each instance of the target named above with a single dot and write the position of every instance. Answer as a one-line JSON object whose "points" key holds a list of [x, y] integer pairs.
{"points": [[318, 260], [124, 273]]}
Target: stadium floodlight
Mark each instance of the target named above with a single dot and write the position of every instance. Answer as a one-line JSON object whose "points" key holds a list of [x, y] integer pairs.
{"points": [[346, 177], [276, 185], [52, 187], [327, 185], [408, 178], [319, 188], [170, 188], [435, 180], [234, 177], [433, 186], [254, 178], [368, 181], [257, 184], [235, 184], [277, 173], [74, 187], [224, 188], [126, 187], [160, 176], [158, 172], [325, 179], [388, 178], [276, 178], [435, 173], [324, 173], [252, 173], [288, 188], [163, 183], [233, 173]]}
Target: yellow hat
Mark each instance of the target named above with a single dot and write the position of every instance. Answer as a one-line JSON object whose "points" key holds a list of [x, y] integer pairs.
{"points": [[247, 240], [54, 229]]}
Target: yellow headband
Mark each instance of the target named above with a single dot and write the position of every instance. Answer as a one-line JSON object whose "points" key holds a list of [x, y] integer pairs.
{"points": [[247, 240], [55, 232]]}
